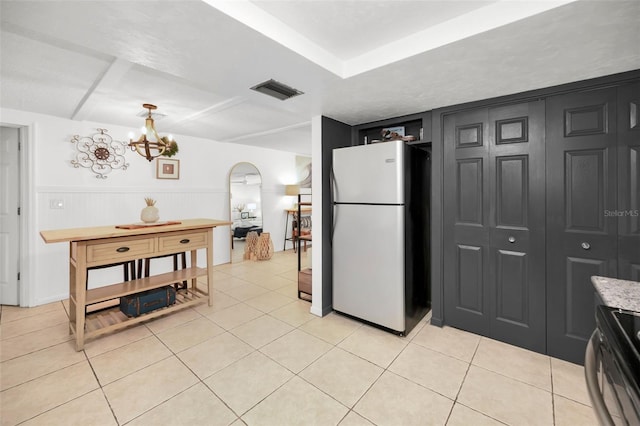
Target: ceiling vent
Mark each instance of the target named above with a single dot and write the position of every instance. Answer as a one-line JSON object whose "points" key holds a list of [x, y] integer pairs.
{"points": [[276, 89]]}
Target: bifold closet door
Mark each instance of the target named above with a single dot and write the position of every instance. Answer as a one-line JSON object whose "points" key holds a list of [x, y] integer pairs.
{"points": [[466, 221], [582, 236], [629, 182], [517, 223], [494, 223]]}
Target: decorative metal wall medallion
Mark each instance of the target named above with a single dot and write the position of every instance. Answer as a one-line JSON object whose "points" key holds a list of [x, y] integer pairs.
{"points": [[100, 153]]}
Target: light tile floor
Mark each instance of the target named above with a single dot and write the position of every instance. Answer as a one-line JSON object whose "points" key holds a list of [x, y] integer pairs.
{"points": [[258, 357]]}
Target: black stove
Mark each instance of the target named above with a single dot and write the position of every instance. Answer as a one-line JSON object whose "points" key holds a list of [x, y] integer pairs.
{"points": [[629, 323], [619, 359]]}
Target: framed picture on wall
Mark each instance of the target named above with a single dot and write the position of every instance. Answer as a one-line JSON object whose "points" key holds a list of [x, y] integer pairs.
{"points": [[167, 169], [303, 172]]}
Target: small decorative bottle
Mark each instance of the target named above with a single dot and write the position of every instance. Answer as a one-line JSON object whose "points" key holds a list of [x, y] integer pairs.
{"points": [[150, 213]]}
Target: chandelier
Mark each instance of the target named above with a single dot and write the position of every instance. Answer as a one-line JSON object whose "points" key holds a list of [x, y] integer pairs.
{"points": [[151, 149]]}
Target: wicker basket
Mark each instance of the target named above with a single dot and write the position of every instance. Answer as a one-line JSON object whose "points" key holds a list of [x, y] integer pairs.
{"points": [[250, 246], [264, 247]]}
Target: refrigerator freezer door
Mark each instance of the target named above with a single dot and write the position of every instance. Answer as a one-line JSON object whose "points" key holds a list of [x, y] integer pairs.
{"points": [[368, 263], [369, 173]]}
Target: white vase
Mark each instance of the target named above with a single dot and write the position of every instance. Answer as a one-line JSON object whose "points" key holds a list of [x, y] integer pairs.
{"points": [[149, 214]]}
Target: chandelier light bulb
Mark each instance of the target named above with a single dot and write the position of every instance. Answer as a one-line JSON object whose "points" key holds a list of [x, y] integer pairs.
{"points": [[149, 149]]}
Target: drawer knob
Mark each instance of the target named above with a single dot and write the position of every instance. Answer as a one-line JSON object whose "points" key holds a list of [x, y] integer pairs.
{"points": [[185, 241], [585, 246], [122, 249], [512, 239]]}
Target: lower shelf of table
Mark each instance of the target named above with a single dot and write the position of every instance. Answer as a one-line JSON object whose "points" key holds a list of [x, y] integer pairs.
{"points": [[114, 291], [105, 321]]}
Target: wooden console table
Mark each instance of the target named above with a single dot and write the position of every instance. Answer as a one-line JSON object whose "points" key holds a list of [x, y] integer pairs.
{"points": [[96, 246]]}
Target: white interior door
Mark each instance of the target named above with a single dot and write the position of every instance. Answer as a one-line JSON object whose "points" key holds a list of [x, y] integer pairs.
{"points": [[9, 222]]}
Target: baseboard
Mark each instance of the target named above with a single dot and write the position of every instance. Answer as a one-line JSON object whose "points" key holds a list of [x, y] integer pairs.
{"points": [[438, 322]]}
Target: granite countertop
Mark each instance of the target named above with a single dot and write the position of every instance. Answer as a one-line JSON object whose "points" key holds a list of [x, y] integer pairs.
{"points": [[617, 293]]}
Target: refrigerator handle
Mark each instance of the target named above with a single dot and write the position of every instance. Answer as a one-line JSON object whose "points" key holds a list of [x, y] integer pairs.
{"points": [[334, 186], [333, 224], [334, 192]]}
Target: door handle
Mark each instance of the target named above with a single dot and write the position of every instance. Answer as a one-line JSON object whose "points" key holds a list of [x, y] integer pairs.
{"points": [[585, 246], [511, 239]]}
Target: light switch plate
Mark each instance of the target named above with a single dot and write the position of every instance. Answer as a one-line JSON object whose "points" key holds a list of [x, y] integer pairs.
{"points": [[56, 204]]}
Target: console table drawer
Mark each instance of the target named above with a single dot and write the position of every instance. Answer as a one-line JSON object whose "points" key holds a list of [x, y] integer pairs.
{"points": [[182, 242], [124, 249]]}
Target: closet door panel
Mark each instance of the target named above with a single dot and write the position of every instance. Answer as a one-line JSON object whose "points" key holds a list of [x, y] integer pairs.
{"points": [[628, 213], [517, 221], [466, 225], [512, 191], [579, 308], [469, 191], [494, 215], [582, 241], [469, 283], [512, 288]]}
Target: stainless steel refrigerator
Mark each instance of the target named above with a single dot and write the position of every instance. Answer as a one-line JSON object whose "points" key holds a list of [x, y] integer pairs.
{"points": [[380, 233]]}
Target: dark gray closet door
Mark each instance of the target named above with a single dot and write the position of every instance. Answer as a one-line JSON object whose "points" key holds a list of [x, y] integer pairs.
{"points": [[629, 182], [516, 219], [581, 238], [466, 220], [494, 223]]}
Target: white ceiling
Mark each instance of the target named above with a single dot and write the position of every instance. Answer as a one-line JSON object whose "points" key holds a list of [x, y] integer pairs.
{"points": [[351, 28], [356, 60]]}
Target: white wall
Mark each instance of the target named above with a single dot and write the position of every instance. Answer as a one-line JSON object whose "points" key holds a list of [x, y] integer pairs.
{"points": [[316, 215], [201, 192]]}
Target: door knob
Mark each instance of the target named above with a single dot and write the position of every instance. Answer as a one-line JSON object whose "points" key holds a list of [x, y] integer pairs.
{"points": [[585, 246], [512, 239]]}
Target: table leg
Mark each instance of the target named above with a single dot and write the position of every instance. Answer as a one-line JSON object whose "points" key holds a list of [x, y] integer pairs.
{"points": [[80, 283], [72, 297], [286, 225], [194, 264], [210, 266]]}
